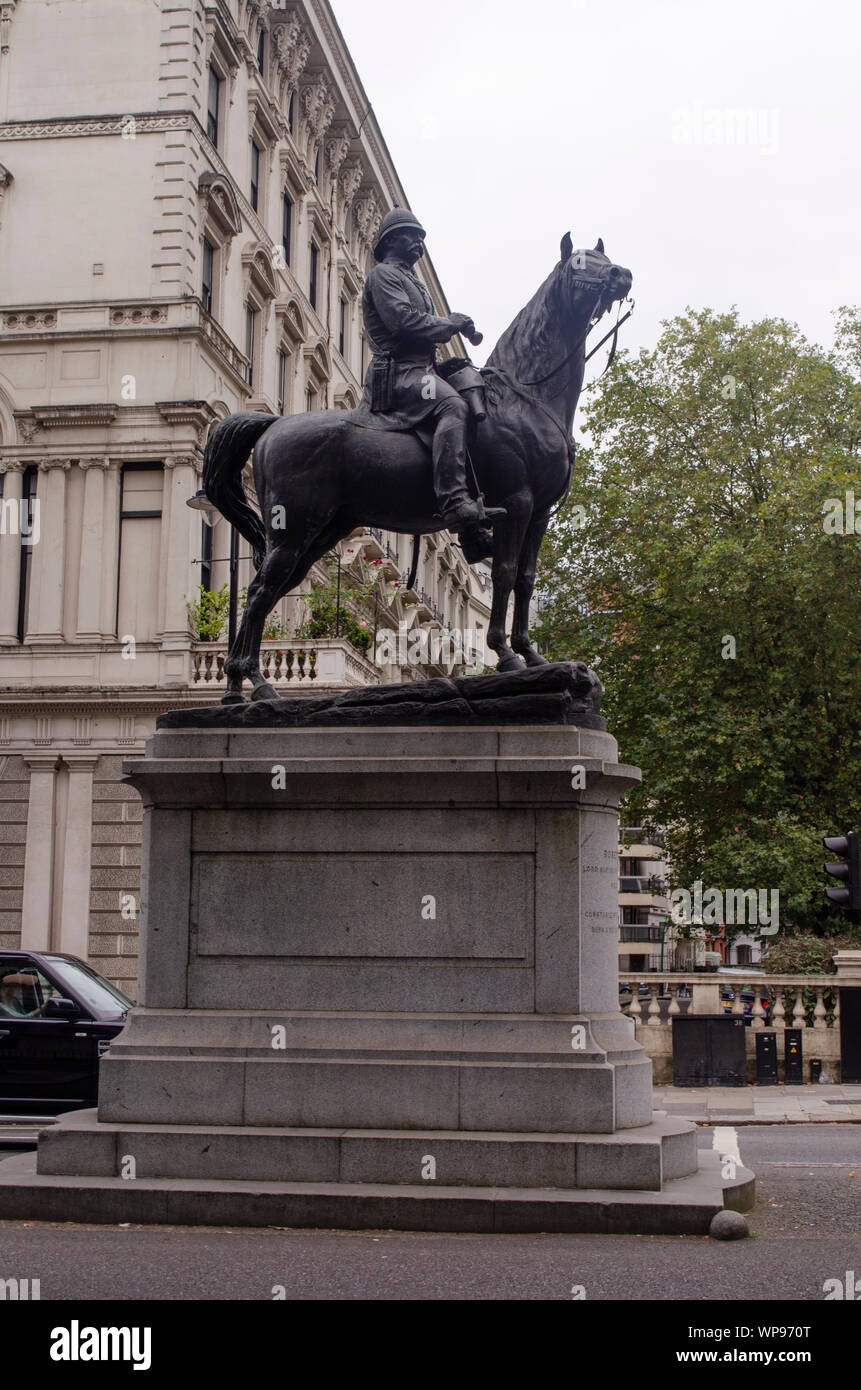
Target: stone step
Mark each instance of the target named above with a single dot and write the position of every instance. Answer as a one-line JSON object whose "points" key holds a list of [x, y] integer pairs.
{"points": [[390, 1093], [685, 1206], [634, 1159]]}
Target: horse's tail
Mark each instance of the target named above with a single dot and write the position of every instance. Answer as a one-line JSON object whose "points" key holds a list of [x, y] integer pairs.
{"points": [[227, 450]]}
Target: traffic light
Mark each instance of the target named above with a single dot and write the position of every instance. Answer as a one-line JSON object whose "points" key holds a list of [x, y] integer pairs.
{"points": [[848, 869]]}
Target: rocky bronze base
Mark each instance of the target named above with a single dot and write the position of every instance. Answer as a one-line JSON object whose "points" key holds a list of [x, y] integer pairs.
{"points": [[562, 693]]}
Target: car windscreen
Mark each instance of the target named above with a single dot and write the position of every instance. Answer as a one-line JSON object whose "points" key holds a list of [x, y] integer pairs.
{"points": [[106, 1001]]}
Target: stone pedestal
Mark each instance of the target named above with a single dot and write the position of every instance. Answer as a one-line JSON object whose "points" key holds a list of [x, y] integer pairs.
{"points": [[379, 986]]}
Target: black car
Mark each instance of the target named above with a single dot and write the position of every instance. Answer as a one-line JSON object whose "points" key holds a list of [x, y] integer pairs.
{"points": [[57, 1017]]}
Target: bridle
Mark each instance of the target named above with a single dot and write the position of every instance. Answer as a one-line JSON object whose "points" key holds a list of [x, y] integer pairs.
{"points": [[599, 286]]}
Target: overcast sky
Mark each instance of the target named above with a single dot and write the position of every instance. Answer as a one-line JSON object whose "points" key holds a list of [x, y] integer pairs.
{"points": [[513, 121]]}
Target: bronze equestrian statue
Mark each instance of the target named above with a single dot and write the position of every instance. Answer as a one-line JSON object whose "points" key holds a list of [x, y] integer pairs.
{"points": [[404, 391], [319, 476]]}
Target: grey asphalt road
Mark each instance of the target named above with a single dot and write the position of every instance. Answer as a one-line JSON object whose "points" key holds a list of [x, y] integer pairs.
{"points": [[806, 1229]]}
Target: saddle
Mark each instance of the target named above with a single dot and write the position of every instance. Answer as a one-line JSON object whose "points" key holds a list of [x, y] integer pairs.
{"points": [[467, 380]]}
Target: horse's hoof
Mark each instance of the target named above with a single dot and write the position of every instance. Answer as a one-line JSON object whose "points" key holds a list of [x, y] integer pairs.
{"points": [[535, 659], [511, 663], [233, 697], [264, 692]]}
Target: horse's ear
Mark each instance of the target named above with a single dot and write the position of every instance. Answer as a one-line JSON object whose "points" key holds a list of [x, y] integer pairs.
{"points": [[567, 247], [599, 245]]}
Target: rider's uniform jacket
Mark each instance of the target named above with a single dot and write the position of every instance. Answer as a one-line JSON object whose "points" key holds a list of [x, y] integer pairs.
{"points": [[401, 386]]}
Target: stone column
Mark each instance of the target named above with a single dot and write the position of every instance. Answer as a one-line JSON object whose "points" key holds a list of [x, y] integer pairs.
{"points": [[91, 569], [47, 574], [74, 933], [36, 910], [10, 555]]}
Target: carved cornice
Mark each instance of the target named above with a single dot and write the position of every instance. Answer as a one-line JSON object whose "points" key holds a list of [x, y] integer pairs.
{"points": [[367, 215], [351, 85], [351, 181], [12, 465], [51, 416], [219, 203], [257, 260], [97, 125], [292, 321], [181, 461], [318, 106], [96, 462], [198, 414], [295, 175], [337, 149], [291, 45], [47, 465], [262, 113]]}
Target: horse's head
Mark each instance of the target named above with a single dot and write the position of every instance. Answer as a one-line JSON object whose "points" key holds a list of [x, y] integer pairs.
{"points": [[588, 280]]}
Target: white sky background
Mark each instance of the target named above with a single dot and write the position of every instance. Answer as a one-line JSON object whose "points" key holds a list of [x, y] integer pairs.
{"points": [[513, 121]]}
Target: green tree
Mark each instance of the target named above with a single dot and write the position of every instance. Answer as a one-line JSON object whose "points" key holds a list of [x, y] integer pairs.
{"points": [[692, 564]]}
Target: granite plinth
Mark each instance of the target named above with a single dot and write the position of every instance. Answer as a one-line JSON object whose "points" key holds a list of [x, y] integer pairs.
{"points": [[366, 947]]}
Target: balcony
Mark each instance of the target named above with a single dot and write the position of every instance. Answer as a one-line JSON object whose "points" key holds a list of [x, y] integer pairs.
{"points": [[629, 933], [290, 667]]}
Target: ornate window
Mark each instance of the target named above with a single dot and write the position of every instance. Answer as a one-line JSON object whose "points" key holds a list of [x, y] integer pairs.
{"points": [[220, 221], [292, 332], [281, 388], [213, 105], [286, 226], [255, 175], [219, 75], [313, 274], [318, 373], [251, 316], [260, 290], [141, 492], [208, 274]]}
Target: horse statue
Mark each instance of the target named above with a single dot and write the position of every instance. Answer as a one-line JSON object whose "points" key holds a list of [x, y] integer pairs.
{"points": [[319, 476]]}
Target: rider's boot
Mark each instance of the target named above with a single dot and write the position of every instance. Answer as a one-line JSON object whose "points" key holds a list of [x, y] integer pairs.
{"points": [[460, 511]]}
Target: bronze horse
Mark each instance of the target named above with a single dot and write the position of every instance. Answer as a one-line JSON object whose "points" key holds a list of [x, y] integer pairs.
{"points": [[318, 476]]}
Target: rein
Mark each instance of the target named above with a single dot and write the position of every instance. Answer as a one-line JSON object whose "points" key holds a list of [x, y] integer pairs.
{"points": [[600, 286]]}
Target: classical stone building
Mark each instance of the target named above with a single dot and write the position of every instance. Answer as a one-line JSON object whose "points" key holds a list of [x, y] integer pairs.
{"points": [[189, 194]]}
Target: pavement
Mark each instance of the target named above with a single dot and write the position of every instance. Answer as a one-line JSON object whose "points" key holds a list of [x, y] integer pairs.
{"points": [[762, 1105]]}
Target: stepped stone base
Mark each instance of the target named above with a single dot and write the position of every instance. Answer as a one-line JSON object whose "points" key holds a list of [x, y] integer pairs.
{"points": [[638, 1159], [684, 1206], [377, 1071]]}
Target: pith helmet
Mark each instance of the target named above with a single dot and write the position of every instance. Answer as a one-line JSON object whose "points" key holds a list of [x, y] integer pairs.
{"points": [[396, 221]]}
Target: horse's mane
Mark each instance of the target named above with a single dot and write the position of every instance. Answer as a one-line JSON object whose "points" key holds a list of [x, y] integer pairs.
{"points": [[533, 337]]}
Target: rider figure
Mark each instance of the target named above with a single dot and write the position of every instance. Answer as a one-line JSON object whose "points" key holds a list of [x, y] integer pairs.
{"points": [[402, 387]]}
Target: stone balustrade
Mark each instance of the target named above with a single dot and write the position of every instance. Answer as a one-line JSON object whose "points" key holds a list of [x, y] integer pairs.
{"points": [[810, 1003], [289, 664]]}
